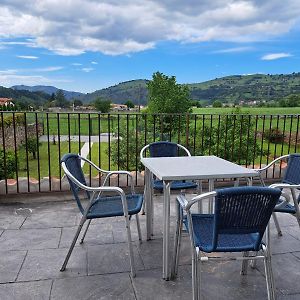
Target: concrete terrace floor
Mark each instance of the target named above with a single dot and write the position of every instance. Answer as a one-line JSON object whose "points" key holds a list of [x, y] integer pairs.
{"points": [[34, 239]]}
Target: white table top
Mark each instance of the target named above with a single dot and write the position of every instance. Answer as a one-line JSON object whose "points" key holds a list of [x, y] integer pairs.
{"points": [[195, 167]]}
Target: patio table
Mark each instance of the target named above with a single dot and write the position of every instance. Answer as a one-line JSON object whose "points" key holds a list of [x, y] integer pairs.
{"points": [[170, 169]]}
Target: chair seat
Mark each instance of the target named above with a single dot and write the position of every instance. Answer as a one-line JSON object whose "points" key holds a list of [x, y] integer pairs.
{"points": [[112, 206], [175, 185], [203, 225], [286, 208]]}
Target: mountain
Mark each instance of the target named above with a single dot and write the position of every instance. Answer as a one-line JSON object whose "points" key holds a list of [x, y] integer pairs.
{"points": [[24, 98], [247, 88], [48, 90], [134, 90], [226, 89]]}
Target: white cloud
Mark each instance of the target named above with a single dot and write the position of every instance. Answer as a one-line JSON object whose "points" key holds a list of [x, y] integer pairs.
{"points": [[87, 70], [76, 64], [48, 69], [27, 56], [234, 50], [122, 27], [94, 63], [273, 56]]}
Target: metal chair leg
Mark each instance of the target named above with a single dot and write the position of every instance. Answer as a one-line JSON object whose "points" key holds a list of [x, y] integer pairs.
{"points": [[138, 227], [195, 281], [83, 219], [132, 267], [269, 274], [85, 231], [245, 263], [277, 224], [177, 242]]}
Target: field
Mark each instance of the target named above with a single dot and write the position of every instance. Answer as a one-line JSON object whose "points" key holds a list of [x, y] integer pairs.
{"points": [[42, 165]]}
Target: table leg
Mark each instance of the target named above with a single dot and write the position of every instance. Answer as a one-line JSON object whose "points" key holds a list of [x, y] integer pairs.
{"points": [[166, 231], [211, 187], [148, 200]]}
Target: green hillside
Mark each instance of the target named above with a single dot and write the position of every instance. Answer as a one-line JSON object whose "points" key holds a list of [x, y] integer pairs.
{"points": [[226, 89], [247, 88], [134, 90], [24, 98]]}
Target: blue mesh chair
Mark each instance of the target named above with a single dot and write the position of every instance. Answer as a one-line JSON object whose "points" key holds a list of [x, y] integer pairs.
{"points": [[290, 181], [100, 206], [168, 149], [240, 219]]}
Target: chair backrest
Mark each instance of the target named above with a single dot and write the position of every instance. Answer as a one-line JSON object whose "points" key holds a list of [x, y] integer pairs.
{"points": [[292, 174], [243, 210], [165, 149], [72, 163]]}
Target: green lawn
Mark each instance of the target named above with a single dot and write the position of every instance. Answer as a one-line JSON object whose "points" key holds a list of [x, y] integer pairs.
{"points": [[43, 163], [250, 110]]}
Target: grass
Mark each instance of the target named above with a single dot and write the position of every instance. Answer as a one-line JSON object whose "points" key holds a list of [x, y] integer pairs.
{"points": [[43, 163]]}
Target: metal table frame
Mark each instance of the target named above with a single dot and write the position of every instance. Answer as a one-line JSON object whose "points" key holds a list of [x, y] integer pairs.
{"points": [[169, 169]]}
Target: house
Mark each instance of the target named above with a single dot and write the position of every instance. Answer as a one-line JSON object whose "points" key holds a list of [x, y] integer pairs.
{"points": [[6, 102]]}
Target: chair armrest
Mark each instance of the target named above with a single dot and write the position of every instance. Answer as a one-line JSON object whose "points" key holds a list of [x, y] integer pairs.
{"points": [[93, 165], [271, 163], [120, 172], [186, 205], [182, 201]]}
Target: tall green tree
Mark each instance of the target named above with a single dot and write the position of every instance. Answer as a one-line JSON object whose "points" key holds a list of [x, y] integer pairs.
{"points": [[167, 96], [60, 99], [129, 104], [102, 105]]}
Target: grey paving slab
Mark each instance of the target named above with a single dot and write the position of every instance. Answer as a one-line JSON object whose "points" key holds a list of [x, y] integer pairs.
{"points": [[151, 252], [11, 221], [46, 264], [36, 290], [120, 233], [97, 234], [10, 264], [25, 239], [285, 243], [286, 268], [289, 297], [97, 287], [149, 285], [48, 219], [294, 231], [297, 254], [111, 258]]}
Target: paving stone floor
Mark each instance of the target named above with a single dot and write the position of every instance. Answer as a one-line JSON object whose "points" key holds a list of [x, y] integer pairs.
{"points": [[34, 239]]}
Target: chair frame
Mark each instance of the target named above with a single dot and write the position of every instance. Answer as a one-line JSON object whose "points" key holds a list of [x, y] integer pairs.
{"points": [[291, 187], [96, 192], [198, 182], [197, 258]]}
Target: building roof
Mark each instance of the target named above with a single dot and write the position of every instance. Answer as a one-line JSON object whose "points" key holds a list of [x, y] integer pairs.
{"points": [[5, 100]]}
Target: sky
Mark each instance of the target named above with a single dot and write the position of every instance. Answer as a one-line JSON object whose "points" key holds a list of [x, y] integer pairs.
{"points": [[86, 45]]}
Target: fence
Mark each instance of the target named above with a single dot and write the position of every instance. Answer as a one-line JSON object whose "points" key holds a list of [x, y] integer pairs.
{"points": [[34, 142]]}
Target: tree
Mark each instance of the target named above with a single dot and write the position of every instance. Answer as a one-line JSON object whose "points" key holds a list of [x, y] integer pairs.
{"points": [[77, 102], [102, 105], [32, 146], [7, 165], [60, 99], [217, 103], [167, 96], [293, 101], [129, 104]]}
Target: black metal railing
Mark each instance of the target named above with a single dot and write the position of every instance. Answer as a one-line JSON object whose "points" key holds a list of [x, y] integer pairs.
{"points": [[32, 143]]}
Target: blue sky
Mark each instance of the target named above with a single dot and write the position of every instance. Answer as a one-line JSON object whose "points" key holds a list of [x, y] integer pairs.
{"points": [[89, 45]]}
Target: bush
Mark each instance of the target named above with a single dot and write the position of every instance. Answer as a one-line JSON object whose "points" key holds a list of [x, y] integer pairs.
{"points": [[274, 136], [10, 164]]}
